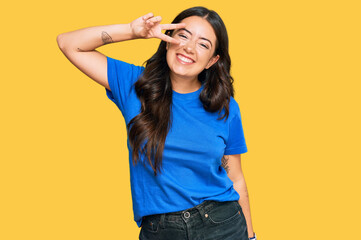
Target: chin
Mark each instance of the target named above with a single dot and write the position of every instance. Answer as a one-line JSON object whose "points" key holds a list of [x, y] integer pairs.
{"points": [[183, 72], [179, 70]]}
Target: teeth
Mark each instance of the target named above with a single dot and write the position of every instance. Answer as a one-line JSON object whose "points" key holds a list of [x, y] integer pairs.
{"points": [[184, 59]]}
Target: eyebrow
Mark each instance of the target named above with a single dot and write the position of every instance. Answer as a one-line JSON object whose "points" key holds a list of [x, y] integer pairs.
{"points": [[192, 34]]}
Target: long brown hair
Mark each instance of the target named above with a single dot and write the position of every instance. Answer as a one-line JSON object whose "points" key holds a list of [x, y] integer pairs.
{"points": [[148, 130]]}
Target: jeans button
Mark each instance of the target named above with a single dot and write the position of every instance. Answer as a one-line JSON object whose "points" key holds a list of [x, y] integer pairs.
{"points": [[187, 214]]}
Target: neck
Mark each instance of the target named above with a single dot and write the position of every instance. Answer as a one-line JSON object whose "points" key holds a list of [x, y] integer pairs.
{"points": [[184, 85]]}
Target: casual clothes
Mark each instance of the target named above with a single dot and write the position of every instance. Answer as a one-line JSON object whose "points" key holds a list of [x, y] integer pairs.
{"points": [[194, 147]]}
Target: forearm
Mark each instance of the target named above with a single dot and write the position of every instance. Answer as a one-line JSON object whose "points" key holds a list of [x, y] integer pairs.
{"points": [[88, 39], [241, 187]]}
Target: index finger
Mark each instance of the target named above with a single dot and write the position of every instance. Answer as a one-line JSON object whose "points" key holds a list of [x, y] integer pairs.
{"points": [[167, 38], [172, 26]]}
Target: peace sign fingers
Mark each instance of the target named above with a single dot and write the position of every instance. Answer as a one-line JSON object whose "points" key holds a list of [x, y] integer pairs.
{"points": [[173, 26], [148, 26], [167, 38]]}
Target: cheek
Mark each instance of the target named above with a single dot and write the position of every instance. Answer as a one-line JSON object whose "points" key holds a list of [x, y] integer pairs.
{"points": [[204, 59], [170, 55], [167, 57], [182, 42], [171, 52]]}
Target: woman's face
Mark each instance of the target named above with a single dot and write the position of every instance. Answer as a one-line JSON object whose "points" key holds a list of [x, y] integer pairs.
{"points": [[195, 51]]}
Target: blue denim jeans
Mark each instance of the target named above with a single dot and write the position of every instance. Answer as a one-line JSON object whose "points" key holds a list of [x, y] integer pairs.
{"points": [[210, 220]]}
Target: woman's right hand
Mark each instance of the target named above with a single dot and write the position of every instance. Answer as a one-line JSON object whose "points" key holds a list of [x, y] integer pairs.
{"points": [[148, 26]]}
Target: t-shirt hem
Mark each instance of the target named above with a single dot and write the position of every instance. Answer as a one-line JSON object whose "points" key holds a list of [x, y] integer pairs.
{"points": [[238, 150]]}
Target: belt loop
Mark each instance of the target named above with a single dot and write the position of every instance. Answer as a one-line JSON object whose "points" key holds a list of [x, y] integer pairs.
{"points": [[161, 220], [202, 212]]}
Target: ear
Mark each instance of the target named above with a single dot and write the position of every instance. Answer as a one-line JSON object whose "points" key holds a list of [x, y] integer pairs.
{"points": [[212, 61]]}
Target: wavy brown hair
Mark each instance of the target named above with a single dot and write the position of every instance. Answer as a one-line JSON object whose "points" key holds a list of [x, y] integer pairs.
{"points": [[148, 130]]}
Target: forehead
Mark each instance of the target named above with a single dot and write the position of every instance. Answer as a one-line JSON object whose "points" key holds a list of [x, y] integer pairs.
{"points": [[199, 27]]}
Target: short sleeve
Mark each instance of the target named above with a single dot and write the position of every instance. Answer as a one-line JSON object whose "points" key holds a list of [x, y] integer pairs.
{"points": [[236, 143], [121, 77]]}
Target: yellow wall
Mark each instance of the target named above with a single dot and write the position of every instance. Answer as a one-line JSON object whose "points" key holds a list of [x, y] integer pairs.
{"points": [[64, 170]]}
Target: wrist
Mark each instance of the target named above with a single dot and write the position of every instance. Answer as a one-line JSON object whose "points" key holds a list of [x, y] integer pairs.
{"points": [[254, 237], [131, 32]]}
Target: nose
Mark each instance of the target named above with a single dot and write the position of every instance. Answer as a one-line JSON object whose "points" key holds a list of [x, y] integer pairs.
{"points": [[189, 46]]}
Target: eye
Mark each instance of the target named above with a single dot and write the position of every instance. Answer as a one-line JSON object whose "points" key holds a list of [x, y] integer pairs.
{"points": [[181, 35], [203, 45]]}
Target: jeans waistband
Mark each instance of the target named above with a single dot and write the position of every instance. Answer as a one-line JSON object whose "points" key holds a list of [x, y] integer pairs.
{"points": [[205, 206]]}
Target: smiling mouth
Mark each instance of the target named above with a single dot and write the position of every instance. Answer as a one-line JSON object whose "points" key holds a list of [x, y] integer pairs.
{"points": [[184, 60]]}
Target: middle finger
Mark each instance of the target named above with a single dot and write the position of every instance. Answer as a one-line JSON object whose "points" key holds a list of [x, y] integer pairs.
{"points": [[173, 26]]}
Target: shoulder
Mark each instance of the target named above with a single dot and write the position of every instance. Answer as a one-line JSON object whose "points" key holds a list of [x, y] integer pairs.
{"points": [[122, 66], [233, 108]]}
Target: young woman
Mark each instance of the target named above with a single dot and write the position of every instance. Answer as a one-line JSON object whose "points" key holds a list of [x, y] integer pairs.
{"points": [[184, 127]]}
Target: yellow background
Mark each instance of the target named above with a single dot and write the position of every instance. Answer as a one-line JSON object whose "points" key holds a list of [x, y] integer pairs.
{"points": [[64, 170]]}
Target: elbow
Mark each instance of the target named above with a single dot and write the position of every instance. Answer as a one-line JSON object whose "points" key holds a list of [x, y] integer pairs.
{"points": [[60, 41], [240, 186], [242, 192]]}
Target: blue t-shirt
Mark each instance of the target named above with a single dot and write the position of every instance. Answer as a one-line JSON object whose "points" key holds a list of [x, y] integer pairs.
{"points": [[194, 147]]}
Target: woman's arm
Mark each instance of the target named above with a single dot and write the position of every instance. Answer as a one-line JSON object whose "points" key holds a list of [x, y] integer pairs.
{"points": [[79, 45], [232, 165], [79, 48], [88, 39]]}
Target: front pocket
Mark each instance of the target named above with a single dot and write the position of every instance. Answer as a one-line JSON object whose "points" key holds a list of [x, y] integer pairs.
{"points": [[224, 213], [238, 205], [151, 224]]}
